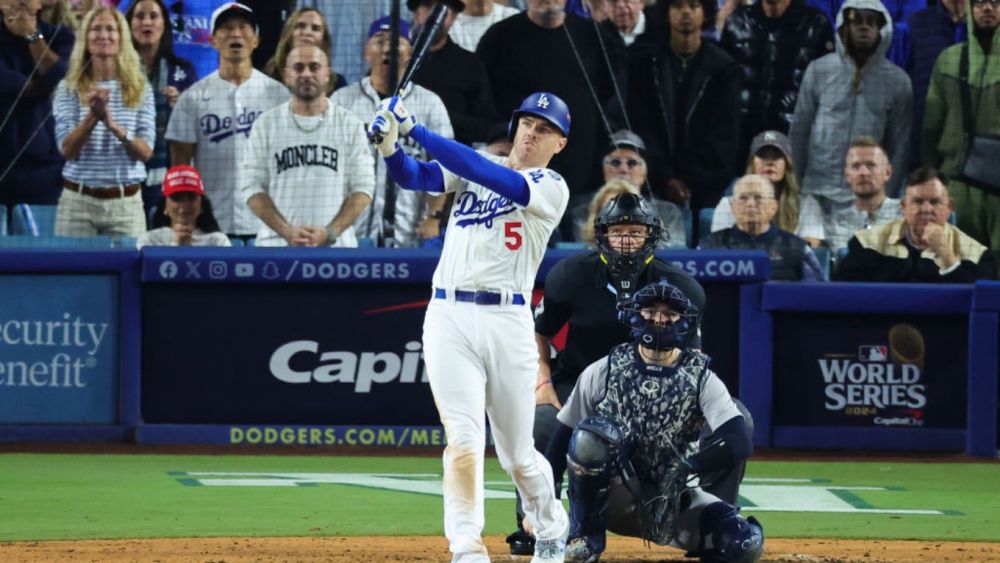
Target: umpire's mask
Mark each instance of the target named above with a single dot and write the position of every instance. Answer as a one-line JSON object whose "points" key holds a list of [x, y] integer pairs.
{"points": [[627, 209]]}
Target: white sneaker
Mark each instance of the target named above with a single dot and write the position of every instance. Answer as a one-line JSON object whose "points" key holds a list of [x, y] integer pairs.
{"points": [[550, 551]]}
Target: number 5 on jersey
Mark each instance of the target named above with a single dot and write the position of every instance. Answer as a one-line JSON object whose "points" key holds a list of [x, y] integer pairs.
{"points": [[512, 235]]}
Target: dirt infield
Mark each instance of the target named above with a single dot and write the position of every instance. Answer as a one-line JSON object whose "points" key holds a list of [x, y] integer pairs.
{"points": [[423, 548]]}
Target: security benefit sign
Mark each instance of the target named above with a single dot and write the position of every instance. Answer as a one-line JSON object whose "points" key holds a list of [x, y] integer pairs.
{"points": [[285, 354], [877, 371], [58, 349]]}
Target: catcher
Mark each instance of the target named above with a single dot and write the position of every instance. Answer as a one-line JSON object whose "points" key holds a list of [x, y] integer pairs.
{"points": [[628, 434]]}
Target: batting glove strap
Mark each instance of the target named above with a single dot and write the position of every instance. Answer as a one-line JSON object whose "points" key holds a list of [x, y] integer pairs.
{"points": [[405, 121]]}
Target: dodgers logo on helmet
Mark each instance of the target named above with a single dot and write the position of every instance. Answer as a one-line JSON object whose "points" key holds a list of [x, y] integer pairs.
{"points": [[546, 105]]}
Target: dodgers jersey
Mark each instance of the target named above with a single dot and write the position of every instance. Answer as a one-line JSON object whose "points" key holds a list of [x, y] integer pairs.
{"points": [[308, 165], [218, 115], [491, 242]]}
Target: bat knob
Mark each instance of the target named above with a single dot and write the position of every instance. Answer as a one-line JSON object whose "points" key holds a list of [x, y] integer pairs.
{"points": [[375, 137]]}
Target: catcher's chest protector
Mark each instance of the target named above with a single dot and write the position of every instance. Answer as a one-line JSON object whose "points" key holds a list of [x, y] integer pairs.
{"points": [[662, 417]]}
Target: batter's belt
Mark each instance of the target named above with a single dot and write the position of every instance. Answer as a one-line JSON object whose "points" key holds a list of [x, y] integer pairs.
{"points": [[479, 296]]}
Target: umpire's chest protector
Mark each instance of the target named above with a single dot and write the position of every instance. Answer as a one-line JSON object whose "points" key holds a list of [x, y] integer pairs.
{"points": [[659, 408]]}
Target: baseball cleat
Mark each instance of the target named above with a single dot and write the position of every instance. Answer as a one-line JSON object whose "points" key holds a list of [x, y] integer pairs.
{"points": [[579, 551], [521, 543]]}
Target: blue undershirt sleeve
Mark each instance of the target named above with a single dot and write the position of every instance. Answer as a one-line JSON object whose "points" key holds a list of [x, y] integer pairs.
{"points": [[467, 163], [412, 174]]}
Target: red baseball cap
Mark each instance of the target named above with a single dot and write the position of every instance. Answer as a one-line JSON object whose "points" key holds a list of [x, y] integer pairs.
{"points": [[182, 178]]}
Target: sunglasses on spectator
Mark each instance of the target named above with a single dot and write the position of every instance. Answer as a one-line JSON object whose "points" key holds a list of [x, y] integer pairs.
{"points": [[631, 162]]}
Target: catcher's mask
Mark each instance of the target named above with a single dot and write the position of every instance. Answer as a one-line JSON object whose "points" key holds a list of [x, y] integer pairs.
{"points": [[627, 209], [660, 336]]}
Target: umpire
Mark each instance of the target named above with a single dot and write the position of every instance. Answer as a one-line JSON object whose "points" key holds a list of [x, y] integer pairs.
{"points": [[584, 290]]}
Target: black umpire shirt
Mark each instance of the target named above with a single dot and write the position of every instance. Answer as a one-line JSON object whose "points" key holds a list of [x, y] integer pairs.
{"points": [[577, 291]]}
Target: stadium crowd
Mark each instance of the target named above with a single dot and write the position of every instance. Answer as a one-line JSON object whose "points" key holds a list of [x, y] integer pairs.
{"points": [[858, 132]]}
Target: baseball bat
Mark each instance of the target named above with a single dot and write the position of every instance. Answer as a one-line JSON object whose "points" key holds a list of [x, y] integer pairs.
{"points": [[420, 47]]}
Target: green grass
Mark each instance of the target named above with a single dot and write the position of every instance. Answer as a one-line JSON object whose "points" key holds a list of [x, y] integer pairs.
{"points": [[51, 496]]}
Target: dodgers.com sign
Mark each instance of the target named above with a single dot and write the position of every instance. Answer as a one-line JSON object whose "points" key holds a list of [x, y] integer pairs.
{"points": [[58, 349]]}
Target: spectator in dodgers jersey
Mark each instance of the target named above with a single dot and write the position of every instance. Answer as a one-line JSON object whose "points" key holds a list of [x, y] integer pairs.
{"points": [[478, 16], [33, 59], [168, 75], [212, 120], [754, 207], [186, 218], [309, 170], [415, 211], [105, 122]]}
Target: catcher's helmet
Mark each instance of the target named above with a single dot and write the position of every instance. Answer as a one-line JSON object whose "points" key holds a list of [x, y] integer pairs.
{"points": [[647, 333], [727, 537], [627, 209], [546, 105]]}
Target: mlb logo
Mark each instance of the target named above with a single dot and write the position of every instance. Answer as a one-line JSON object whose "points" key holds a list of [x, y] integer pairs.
{"points": [[873, 353]]}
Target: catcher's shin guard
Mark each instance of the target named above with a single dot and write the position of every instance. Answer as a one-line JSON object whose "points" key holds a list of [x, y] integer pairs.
{"points": [[593, 452]]}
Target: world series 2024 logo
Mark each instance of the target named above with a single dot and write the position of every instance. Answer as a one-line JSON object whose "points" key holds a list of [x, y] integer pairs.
{"points": [[885, 380]]}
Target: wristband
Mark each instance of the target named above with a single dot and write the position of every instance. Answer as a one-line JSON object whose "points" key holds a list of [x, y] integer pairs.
{"points": [[543, 384]]}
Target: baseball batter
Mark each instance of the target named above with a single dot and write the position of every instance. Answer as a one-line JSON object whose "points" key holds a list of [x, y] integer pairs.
{"points": [[479, 347]]}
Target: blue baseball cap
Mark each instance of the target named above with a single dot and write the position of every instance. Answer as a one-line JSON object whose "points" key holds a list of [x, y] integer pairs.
{"points": [[385, 24]]}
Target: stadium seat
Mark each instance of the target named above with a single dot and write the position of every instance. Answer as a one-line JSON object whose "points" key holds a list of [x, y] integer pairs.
{"points": [[823, 256], [251, 242], [705, 222], [237, 242], [3, 220], [31, 241], [365, 242], [952, 218], [34, 220], [841, 253]]}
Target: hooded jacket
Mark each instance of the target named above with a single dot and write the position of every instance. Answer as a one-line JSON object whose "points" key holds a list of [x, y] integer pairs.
{"points": [[840, 101], [943, 138]]}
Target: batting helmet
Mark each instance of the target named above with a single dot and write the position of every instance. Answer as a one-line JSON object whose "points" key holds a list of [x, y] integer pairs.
{"points": [[627, 209], [647, 333], [546, 105], [727, 537]]}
